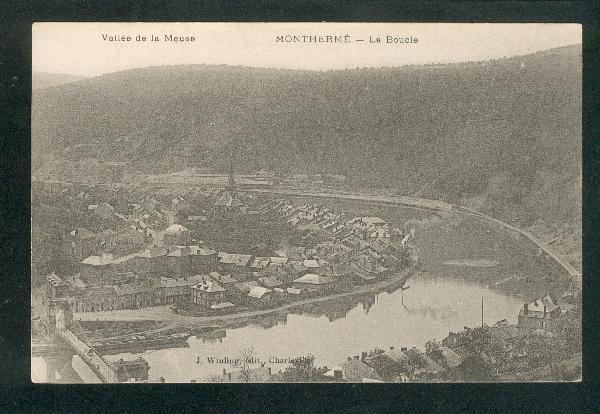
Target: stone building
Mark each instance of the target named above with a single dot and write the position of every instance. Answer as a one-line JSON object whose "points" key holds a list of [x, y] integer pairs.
{"points": [[208, 294], [540, 314], [177, 235], [96, 270], [81, 243]]}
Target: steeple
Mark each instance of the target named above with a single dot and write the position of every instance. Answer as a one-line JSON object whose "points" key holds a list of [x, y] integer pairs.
{"points": [[231, 180], [231, 187], [228, 202]]}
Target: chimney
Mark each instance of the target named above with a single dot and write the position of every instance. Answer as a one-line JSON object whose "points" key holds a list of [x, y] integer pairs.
{"points": [[269, 370], [525, 308], [356, 357], [229, 376], [224, 371], [391, 348], [337, 373], [363, 355], [544, 311], [403, 349]]}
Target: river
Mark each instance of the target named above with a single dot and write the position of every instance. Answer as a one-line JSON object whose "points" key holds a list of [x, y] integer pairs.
{"points": [[429, 309]]}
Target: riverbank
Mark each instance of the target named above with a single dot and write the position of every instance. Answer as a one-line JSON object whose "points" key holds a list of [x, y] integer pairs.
{"points": [[429, 205], [172, 323], [451, 233]]}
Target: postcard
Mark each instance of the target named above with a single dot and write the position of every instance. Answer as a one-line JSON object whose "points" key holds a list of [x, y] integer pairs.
{"points": [[306, 202]]}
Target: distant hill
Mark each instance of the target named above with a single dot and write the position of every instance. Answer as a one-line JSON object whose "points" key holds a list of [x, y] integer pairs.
{"points": [[502, 132], [41, 80]]}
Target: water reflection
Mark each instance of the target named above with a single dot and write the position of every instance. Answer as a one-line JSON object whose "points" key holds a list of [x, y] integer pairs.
{"points": [[213, 336], [335, 330]]}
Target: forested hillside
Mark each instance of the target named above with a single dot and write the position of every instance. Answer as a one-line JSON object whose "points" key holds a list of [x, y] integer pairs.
{"points": [[502, 135]]}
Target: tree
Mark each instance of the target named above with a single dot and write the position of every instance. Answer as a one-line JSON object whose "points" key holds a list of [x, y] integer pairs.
{"points": [[432, 350], [302, 369], [568, 327], [243, 363], [413, 365], [476, 340], [543, 350], [481, 349]]}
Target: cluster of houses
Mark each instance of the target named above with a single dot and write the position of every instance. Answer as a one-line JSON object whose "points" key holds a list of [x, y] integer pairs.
{"points": [[394, 365], [171, 267]]}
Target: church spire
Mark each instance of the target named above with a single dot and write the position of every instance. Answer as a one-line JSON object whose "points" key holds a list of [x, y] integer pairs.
{"points": [[231, 179]]}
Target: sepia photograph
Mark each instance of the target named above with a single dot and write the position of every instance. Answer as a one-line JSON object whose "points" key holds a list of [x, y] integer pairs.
{"points": [[306, 203]]}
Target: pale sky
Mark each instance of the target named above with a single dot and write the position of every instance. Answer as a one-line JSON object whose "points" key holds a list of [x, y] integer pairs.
{"points": [[78, 48]]}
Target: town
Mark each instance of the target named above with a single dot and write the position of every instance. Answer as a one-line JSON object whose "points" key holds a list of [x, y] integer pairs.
{"points": [[265, 252], [169, 265]]}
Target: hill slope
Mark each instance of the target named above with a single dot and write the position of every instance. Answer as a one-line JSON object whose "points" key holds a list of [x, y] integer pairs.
{"points": [[500, 132]]}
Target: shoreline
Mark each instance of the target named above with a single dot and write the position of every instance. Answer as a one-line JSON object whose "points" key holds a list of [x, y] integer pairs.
{"points": [[179, 323], [430, 205], [214, 322]]}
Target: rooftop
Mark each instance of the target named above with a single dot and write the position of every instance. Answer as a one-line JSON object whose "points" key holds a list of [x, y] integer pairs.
{"points": [[103, 260], [236, 259], [176, 228], [355, 370], [222, 278], [209, 286], [278, 261], [310, 263], [202, 251], [181, 252], [270, 281], [452, 358], [313, 279], [260, 262], [227, 200], [246, 287], [258, 292], [222, 305]]}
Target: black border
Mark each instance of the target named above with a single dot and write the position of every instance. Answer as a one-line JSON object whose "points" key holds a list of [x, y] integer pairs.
{"points": [[15, 92]]}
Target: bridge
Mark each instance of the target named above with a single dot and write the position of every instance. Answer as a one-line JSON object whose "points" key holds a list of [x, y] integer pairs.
{"points": [[58, 355], [102, 368], [66, 344]]}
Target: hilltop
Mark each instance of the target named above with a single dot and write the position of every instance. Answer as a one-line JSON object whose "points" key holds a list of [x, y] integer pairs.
{"points": [[41, 80]]}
